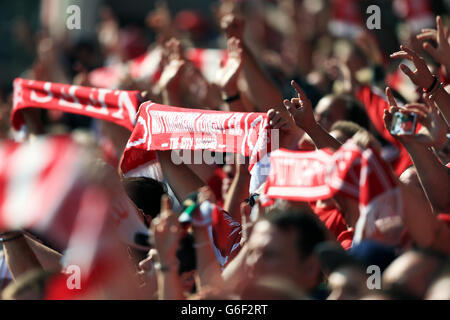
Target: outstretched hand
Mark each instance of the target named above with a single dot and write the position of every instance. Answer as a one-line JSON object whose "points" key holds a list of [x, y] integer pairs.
{"points": [[284, 121], [368, 44], [172, 72], [441, 37], [166, 233], [301, 109], [422, 77], [434, 129], [227, 77]]}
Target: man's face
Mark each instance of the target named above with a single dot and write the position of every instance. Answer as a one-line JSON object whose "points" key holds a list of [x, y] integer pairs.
{"points": [[274, 252], [329, 111]]}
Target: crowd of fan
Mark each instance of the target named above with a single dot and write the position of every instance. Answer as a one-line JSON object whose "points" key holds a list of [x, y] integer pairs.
{"points": [[289, 250]]}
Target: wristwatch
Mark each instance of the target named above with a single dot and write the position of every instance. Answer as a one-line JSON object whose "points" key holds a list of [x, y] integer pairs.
{"points": [[229, 99]]}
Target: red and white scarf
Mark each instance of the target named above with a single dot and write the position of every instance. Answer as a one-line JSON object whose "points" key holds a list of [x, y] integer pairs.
{"points": [[162, 127], [43, 188], [115, 106], [355, 173]]}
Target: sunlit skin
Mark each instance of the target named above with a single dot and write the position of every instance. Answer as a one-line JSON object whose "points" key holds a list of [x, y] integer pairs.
{"points": [[412, 270], [272, 251], [440, 290], [347, 283]]}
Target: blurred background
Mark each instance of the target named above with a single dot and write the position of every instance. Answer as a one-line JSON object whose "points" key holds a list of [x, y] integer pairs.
{"points": [[117, 30]]}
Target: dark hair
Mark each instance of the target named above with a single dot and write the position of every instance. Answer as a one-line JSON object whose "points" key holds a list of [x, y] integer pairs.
{"points": [[354, 110], [310, 231], [347, 128], [146, 193]]}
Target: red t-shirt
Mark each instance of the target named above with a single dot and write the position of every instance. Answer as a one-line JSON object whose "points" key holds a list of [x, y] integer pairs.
{"points": [[346, 239], [335, 222], [375, 104]]}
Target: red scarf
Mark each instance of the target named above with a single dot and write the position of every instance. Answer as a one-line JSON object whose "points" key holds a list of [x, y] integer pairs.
{"points": [[115, 106], [43, 188], [161, 127], [352, 172]]}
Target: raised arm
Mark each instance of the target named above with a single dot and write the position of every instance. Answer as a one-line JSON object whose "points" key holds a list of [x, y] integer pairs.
{"points": [[440, 53], [261, 90], [433, 175], [423, 78], [167, 232], [301, 110], [180, 178], [227, 78], [239, 189], [169, 82], [208, 267], [20, 258]]}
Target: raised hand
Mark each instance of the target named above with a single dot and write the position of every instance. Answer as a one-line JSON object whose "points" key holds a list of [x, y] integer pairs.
{"points": [[166, 233], [281, 120], [336, 69], [441, 36], [206, 194], [434, 129], [147, 274], [289, 132], [422, 77], [368, 44], [172, 72], [233, 26], [301, 109], [228, 76]]}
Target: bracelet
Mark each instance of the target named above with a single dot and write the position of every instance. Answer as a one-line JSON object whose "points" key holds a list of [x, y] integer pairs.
{"points": [[164, 268], [434, 91], [232, 98], [4, 239], [432, 87]]}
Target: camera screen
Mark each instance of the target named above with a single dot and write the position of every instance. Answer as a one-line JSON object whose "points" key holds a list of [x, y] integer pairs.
{"points": [[403, 124]]}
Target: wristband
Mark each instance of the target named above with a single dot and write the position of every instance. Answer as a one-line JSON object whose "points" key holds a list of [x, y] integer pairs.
{"points": [[232, 98], [435, 80], [432, 93]]}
